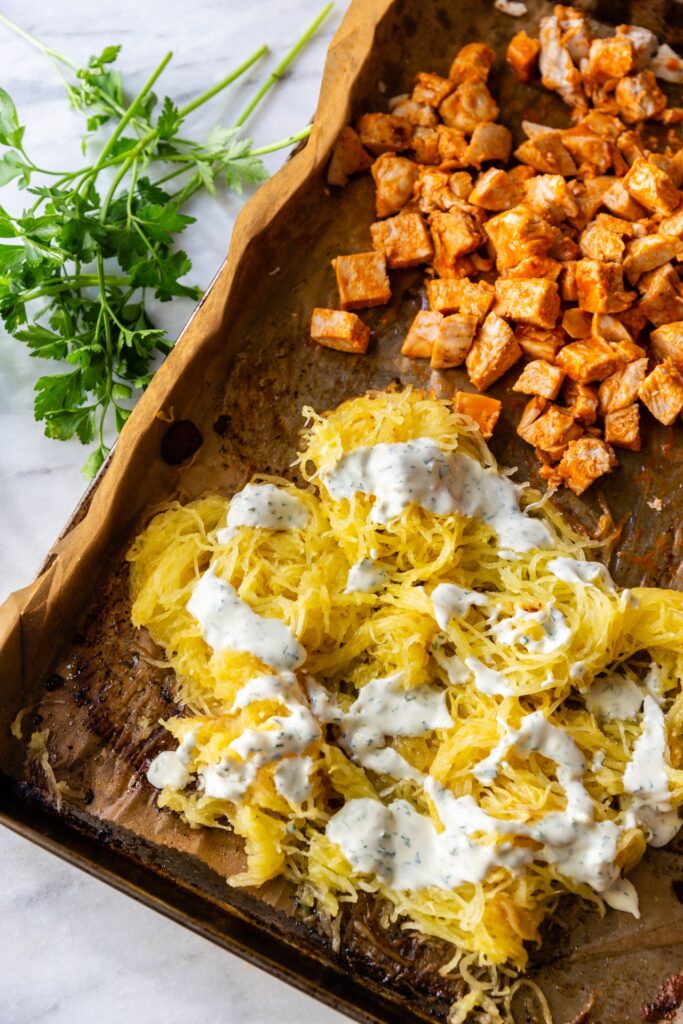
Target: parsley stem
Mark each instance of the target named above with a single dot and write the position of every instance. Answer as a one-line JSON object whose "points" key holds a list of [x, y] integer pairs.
{"points": [[215, 89], [282, 143], [65, 284], [283, 65]]}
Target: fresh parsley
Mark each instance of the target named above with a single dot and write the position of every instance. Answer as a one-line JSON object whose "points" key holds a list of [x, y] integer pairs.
{"points": [[78, 265]]}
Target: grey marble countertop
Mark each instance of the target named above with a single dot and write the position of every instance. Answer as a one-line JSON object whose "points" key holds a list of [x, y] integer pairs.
{"points": [[72, 950]]}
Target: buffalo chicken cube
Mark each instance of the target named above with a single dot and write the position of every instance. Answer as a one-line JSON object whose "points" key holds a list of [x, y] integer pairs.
{"points": [[587, 360], [460, 184], [535, 266], [362, 280], [419, 114], [584, 462], [494, 351], [348, 157], [533, 301], [661, 301], [643, 41], [638, 97], [609, 329], [627, 351], [547, 154], [581, 401], [558, 71], [652, 187], [592, 152], [421, 335], [598, 242], [567, 281], [480, 408], [444, 294], [454, 234], [432, 191], [496, 190], [534, 408], [667, 343], [394, 177], [488, 142], [472, 63], [404, 240], [588, 196], [549, 195], [335, 329], [431, 89], [522, 55], [468, 106], [476, 298], [621, 388], [672, 225], [452, 146], [454, 340], [518, 233], [609, 58], [621, 203], [577, 323], [551, 432], [629, 149], [662, 392], [424, 146], [564, 249], [600, 287], [622, 427], [536, 343], [648, 253], [540, 378], [384, 133]]}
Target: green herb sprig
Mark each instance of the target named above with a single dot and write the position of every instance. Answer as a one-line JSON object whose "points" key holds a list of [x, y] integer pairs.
{"points": [[78, 265]]}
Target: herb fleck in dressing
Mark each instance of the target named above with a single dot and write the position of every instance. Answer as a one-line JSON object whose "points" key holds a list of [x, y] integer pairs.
{"points": [[364, 577], [292, 779], [449, 600], [615, 698], [540, 632], [228, 622], [646, 780], [281, 735], [265, 506], [419, 472], [228, 780]]}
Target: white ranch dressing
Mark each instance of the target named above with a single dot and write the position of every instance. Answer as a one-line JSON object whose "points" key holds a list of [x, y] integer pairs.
{"points": [[171, 768], [228, 780], [265, 506], [419, 472], [646, 780], [488, 680], [540, 632], [281, 736], [228, 622], [622, 895], [364, 577], [455, 668], [574, 570], [292, 779], [615, 698], [448, 600]]}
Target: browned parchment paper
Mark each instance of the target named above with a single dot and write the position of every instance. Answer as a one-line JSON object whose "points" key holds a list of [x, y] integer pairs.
{"points": [[241, 374]]}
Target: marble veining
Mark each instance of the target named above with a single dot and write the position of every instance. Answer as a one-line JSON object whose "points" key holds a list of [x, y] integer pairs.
{"points": [[72, 950]]}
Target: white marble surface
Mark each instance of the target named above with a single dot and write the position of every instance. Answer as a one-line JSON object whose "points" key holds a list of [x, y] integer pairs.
{"points": [[72, 950]]}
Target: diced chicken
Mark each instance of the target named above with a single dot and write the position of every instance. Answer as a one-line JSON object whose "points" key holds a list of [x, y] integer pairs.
{"points": [[622, 427], [362, 280], [643, 42], [472, 63], [404, 240], [564, 249], [638, 97], [480, 408], [643, 254], [621, 388], [576, 35], [551, 432], [547, 154], [468, 106], [609, 329], [534, 408], [588, 195], [432, 191], [599, 243], [488, 142], [634, 320], [672, 225], [419, 114], [558, 71], [609, 58], [422, 334], [581, 401], [522, 55], [535, 266], [444, 294], [537, 343], [620, 202], [652, 187], [424, 146], [577, 323], [431, 89], [494, 351], [452, 145], [348, 157], [661, 301], [540, 378], [534, 301], [568, 290], [384, 133], [630, 147], [667, 343], [662, 392], [454, 340], [601, 287], [627, 351], [336, 329], [584, 462], [587, 360], [667, 65], [394, 177], [518, 233], [549, 195], [496, 190], [454, 234], [476, 298]]}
